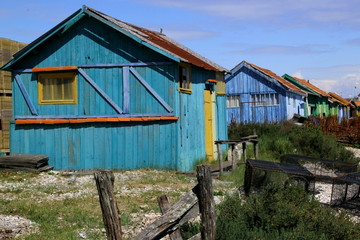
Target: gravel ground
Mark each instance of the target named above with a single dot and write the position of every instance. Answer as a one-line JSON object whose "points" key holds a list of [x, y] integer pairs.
{"points": [[64, 185]]}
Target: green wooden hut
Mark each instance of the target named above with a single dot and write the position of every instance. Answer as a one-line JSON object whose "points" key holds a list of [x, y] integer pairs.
{"points": [[317, 103]]}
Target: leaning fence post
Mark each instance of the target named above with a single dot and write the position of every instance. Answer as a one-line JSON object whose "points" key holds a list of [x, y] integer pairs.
{"points": [[105, 186], [218, 145], [164, 205], [206, 203]]}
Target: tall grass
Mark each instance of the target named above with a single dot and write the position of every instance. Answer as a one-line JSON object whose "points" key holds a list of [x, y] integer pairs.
{"points": [[286, 138]]}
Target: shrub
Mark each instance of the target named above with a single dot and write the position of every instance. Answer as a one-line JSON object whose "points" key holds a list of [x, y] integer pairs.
{"points": [[286, 138], [281, 213]]}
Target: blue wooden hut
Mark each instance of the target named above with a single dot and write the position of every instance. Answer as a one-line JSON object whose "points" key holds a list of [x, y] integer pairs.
{"points": [[98, 93], [255, 94]]}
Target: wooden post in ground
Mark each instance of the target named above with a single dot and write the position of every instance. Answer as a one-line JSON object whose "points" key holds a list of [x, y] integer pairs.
{"points": [[206, 203], [247, 178], [105, 186], [244, 150], [233, 158], [256, 149], [164, 206], [220, 159]]}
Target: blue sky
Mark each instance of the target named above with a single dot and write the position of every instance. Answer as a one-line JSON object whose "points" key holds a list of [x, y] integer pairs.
{"points": [[315, 40]]}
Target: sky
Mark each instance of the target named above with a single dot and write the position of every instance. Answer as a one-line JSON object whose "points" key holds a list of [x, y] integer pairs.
{"points": [[317, 40]]}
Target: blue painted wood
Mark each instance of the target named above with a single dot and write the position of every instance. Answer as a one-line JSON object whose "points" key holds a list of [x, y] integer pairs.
{"points": [[103, 53], [126, 90], [245, 82], [133, 37], [94, 116], [135, 64], [151, 90], [19, 55], [25, 95], [100, 91]]}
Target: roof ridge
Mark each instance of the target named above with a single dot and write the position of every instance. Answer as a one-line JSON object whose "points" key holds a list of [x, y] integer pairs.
{"points": [[282, 81], [141, 32]]}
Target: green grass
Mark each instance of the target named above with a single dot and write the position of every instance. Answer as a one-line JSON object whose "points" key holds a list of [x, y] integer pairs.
{"points": [[57, 219], [136, 192]]}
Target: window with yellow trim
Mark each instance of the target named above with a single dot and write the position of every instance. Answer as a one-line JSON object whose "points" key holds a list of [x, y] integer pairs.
{"points": [[57, 88], [184, 79]]}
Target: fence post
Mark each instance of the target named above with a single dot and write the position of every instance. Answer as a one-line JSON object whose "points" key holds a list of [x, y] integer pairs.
{"points": [[105, 186], [206, 203], [234, 160], [218, 145], [256, 149], [164, 206]]}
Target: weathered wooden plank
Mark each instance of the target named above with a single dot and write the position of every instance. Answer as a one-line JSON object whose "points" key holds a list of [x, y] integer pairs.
{"points": [[111, 217], [195, 237], [218, 145], [171, 218], [126, 90], [25, 95], [164, 206], [100, 91], [206, 203], [151, 90]]}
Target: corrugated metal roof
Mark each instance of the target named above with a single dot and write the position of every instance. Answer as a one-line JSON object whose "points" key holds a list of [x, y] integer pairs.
{"points": [[311, 86], [341, 99], [164, 43], [332, 99], [278, 78], [155, 40]]}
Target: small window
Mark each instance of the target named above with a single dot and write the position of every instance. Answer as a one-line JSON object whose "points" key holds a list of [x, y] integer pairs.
{"points": [[233, 101], [57, 88], [184, 79], [269, 99]]}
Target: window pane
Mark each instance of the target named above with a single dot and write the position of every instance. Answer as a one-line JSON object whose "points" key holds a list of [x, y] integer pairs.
{"points": [[57, 87], [68, 90]]}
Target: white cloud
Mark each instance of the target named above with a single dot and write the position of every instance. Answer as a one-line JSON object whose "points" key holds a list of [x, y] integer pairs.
{"points": [[298, 75], [286, 49], [300, 12]]}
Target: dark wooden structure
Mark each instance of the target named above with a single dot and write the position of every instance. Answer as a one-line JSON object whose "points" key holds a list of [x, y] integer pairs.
{"points": [[232, 143], [111, 217], [199, 200]]}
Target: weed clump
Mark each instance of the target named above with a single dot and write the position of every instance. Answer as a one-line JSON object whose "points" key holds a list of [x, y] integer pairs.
{"points": [[281, 213], [286, 138]]}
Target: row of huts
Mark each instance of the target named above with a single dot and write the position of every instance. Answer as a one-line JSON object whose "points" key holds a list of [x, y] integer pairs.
{"points": [[255, 94], [96, 92]]}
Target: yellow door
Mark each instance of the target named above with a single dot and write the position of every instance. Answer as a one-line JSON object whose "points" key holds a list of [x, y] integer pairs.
{"points": [[208, 116]]}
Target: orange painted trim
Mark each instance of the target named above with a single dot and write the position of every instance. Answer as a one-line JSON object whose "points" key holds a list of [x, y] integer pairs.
{"points": [[212, 80], [53, 69], [90, 120]]}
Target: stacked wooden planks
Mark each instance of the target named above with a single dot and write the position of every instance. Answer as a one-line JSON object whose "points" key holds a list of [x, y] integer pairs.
{"points": [[25, 162], [7, 49]]}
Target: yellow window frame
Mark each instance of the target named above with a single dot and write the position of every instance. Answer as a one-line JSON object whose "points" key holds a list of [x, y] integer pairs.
{"points": [[44, 83], [182, 85]]}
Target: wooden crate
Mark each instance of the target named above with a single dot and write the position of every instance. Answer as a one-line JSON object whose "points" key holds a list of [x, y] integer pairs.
{"points": [[7, 49], [5, 103], [4, 141]]}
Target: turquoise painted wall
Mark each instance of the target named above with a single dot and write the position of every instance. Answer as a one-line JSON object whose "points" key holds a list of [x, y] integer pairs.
{"points": [[164, 145]]}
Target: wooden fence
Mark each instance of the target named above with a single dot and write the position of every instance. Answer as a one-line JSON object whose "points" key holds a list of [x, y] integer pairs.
{"points": [[199, 200]]}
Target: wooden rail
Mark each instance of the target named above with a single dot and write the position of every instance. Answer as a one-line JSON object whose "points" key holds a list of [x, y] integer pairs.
{"points": [[243, 141], [200, 200]]}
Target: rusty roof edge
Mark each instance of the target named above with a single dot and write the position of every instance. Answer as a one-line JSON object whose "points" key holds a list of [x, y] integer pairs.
{"points": [[206, 60], [309, 91], [341, 99], [302, 93], [131, 28]]}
